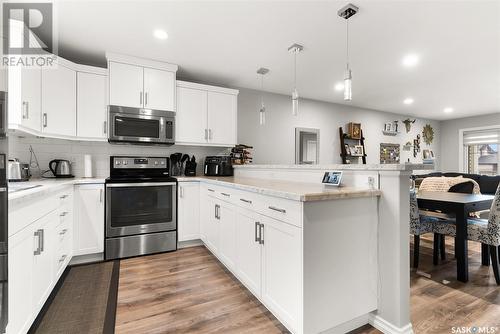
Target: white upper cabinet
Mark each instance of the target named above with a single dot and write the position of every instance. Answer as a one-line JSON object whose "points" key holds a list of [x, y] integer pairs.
{"points": [[59, 101], [222, 125], [159, 89], [206, 115], [126, 85], [91, 106], [141, 83], [191, 116], [31, 80]]}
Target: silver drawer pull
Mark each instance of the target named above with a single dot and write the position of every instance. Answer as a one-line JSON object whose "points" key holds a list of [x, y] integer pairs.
{"points": [[277, 209], [246, 200], [65, 213], [63, 232], [63, 258], [63, 196], [210, 190], [227, 195]]}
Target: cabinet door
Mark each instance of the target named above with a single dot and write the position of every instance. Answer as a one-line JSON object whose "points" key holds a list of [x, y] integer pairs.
{"points": [[43, 271], [248, 250], [91, 105], [227, 234], [222, 118], [212, 232], [31, 97], [21, 280], [159, 89], [188, 216], [59, 101], [88, 231], [191, 116], [126, 85], [281, 273]]}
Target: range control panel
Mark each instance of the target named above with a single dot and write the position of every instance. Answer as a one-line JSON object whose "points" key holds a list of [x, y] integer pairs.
{"points": [[136, 162]]}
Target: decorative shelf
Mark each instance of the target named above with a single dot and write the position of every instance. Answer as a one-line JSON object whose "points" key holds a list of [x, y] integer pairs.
{"points": [[359, 141], [390, 133]]}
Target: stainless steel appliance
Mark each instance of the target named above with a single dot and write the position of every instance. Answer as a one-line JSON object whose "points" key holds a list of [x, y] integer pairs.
{"points": [[218, 166], [141, 126], [4, 147], [17, 171], [60, 168], [141, 207]]}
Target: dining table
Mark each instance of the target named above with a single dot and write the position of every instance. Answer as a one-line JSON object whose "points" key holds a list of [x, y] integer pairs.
{"points": [[460, 206]]}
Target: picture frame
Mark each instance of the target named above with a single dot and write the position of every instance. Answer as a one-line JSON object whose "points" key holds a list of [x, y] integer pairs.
{"points": [[358, 151], [354, 130], [388, 127], [332, 178], [347, 149], [428, 154]]}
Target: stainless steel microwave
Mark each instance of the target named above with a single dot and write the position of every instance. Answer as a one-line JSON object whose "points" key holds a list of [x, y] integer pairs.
{"points": [[141, 126]]}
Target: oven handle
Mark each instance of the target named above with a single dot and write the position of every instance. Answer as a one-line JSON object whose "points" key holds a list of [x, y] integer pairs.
{"points": [[146, 184]]}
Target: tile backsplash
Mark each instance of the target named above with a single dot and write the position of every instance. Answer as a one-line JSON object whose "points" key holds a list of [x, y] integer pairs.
{"points": [[48, 149]]}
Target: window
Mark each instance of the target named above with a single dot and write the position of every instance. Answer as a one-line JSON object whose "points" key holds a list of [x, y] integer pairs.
{"points": [[481, 152]]}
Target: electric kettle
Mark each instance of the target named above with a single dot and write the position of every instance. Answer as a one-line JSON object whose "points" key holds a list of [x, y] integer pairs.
{"points": [[60, 168]]}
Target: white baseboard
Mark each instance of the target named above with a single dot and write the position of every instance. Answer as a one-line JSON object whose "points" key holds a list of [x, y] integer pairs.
{"points": [[386, 327], [189, 243], [349, 325]]}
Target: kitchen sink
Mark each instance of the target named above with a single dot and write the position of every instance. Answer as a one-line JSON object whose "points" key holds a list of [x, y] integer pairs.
{"points": [[20, 187]]}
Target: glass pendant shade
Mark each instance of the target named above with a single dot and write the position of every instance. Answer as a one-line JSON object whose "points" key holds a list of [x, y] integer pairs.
{"points": [[295, 102], [348, 85], [262, 114]]}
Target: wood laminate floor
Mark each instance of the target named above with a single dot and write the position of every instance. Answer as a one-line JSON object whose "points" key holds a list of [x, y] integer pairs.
{"points": [[189, 291]]}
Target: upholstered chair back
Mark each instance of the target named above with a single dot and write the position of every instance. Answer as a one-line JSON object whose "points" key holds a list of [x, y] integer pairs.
{"points": [[494, 219]]}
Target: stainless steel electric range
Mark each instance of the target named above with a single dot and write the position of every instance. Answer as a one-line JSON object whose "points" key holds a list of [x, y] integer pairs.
{"points": [[141, 207]]}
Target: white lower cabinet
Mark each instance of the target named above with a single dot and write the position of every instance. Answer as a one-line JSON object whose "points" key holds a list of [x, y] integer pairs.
{"points": [[212, 224], [188, 211], [227, 234], [88, 237]]}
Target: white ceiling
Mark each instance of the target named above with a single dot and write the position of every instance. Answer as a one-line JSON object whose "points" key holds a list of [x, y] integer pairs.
{"points": [[225, 42]]}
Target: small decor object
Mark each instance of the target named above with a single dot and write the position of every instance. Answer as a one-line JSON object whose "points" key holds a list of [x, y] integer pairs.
{"points": [[241, 154], [389, 153], [408, 122], [395, 126], [407, 146], [416, 146], [428, 154], [357, 151], [332, 178], [354, 130], [428, 134], [388, 127], [347, 149]]}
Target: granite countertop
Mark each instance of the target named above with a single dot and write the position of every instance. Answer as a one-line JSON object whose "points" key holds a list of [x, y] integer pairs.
{"points": [[42, 187], [297, 191], [383, 167]]}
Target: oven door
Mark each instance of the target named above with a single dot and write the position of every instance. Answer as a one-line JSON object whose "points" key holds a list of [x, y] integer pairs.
{"points": [[127, 127], [138, 208]]}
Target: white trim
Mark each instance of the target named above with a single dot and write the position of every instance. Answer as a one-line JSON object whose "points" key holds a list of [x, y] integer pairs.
{"points": [[120, 58], [351, 325], [386, 327], [194, 85], [91, 69], [461, 162]]}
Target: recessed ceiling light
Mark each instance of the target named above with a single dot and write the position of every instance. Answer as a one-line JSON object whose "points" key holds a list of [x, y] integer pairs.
{"points": [[339, 87], [448, 110], [410, 60], [160, 34], [408, 100]]}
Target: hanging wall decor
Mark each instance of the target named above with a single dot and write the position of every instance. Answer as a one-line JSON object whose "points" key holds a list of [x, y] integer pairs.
{"points": [[416, 146], [428, 134], [408, 122]]}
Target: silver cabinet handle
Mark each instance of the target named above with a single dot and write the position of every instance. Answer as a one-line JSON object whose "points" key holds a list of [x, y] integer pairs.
{"points": [[25, 110], [44, 119], [36, 234], [246, 200], [277, 209], [261, 235], [100, 195], [62, 258], [105, 127], [65, 213], [140, 98], [217, 211], [63, 197], [257, 232], [206, 134], [63, 232], [210, 134], [224, 194], [181, 192], [42, 240], [211, 190], [146, 99]]}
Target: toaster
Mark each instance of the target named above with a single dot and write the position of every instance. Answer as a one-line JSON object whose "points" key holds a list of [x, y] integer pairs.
{"points": [[218, 166]]}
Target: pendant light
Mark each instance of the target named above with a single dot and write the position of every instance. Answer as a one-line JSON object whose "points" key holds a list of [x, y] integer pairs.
{"points": [[262, 111], [346, 12], [295, 48]]}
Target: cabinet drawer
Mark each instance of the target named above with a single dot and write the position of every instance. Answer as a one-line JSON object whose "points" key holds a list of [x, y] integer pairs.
{"points": [[248, 200], [281, 209], [65, 197], [222, 193], [26, 213]]}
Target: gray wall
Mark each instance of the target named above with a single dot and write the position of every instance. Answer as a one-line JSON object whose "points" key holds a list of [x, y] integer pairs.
{"points": [[450, 134], [274, 143]]}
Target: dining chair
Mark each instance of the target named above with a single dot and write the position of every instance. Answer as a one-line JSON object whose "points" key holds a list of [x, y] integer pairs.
{"points": [[485, 231], [419, 224]]}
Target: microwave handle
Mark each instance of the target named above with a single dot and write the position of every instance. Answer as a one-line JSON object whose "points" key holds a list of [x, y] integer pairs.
{"points": [[206, 169], [216, 169]]}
